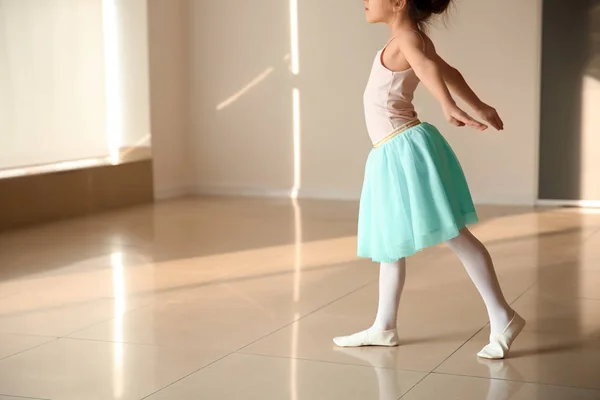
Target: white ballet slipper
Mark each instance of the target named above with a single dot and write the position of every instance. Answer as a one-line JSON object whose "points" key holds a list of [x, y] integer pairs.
{"points": [[499, 345], [369, 337]]}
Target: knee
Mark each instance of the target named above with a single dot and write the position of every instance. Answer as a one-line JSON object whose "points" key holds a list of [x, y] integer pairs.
{"points": [[464, 237], [466, 241], [401, 263]]}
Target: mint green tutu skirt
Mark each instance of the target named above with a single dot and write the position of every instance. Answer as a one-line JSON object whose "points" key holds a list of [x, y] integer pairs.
{"points": [[415, 195]]}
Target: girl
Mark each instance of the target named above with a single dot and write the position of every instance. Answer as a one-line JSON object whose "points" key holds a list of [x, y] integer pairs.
{"points": [[415, 194]]}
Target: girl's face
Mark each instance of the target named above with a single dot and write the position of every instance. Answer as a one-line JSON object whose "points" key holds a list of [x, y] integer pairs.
{"points": [[379, 10]]}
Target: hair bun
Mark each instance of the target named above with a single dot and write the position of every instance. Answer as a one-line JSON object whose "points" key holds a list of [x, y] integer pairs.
{"points": [[439, 6], [431, 6]]}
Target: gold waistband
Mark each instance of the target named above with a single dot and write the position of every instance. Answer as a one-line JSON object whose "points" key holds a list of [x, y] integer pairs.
{"points": [[397, 131]]}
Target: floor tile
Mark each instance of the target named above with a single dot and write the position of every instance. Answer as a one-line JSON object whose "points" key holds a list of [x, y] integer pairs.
{"points": [[569, 280], [48, 315], [13, 344], [242, 376], [546, 312], [469, 388], [77, 369], [554, 359], [149, 295], [231, 314], [432, 325]]}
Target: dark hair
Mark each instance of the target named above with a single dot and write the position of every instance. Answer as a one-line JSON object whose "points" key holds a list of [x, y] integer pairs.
{"points": [[421, 11]]}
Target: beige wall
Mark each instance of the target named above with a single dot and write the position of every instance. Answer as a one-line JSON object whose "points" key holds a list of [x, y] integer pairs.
{"points": [[498, 49], [169, 63], [248, 144], [590, 118], [238, 61]]}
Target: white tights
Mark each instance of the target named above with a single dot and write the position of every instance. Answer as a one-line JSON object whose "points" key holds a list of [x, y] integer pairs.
{"points": [[478, 263], [391, 282]]}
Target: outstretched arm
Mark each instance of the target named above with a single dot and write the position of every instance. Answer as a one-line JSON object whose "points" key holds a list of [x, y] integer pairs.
{"points": [[425, 65], [458, 85]]}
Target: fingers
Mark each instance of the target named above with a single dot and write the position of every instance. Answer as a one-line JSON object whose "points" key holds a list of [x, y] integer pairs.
{"points": [[500, 123], [470, 121], [495, 122], [494, 119], [456, 122]]}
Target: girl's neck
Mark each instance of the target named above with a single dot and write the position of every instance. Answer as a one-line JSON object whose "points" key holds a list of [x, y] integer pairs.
{"points": [[402, 24]]}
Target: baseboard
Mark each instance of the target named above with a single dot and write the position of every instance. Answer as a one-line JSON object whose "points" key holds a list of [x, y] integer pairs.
{"points": [[326, 194], [569, 203], [274, 193], [503, 200], [234, 191]]}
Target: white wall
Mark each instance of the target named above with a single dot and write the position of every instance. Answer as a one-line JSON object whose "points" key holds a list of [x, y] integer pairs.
{"points": [[73, 79], [238, 56], [169, 79], [52, 104], [127, 60]]}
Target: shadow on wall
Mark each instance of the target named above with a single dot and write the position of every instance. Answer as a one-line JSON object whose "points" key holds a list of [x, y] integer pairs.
{"points": [[570, 150], [571, 55], [593, 69]]}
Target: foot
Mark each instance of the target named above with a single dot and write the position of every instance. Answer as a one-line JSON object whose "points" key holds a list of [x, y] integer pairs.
{"points": [[370, 337], [499, 319], [500, 344]]}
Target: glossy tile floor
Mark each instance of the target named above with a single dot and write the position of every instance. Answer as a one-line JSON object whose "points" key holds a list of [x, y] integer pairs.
{"points": [[239, 299]]}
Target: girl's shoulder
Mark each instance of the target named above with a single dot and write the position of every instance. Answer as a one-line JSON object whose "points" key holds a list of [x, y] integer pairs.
{"points": [[414, 38]]}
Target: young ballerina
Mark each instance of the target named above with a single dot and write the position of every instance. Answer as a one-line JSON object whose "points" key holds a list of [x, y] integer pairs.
{"points": [[415, 194]]}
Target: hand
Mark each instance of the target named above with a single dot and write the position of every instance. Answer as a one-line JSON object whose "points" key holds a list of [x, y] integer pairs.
{"points": [[458, 117], [490, 115]]}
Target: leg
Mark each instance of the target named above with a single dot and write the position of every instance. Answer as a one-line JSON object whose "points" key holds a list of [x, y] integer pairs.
{"points": [[478, 263], [479, 266], [391, 282], [383, 332]]}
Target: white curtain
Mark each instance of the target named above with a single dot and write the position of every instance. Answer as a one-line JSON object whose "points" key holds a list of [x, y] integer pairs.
{"points": [[58, 101]]}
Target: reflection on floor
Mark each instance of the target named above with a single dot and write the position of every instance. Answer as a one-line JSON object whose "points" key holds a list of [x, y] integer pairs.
{"points": [[239, 299]]}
